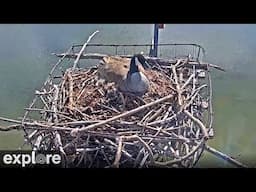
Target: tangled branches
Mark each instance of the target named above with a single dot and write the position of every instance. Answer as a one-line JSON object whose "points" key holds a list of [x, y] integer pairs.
{"points": [[94, 125]]}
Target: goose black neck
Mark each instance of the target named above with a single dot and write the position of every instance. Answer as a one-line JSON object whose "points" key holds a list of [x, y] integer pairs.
{"points": [[133, 66]]}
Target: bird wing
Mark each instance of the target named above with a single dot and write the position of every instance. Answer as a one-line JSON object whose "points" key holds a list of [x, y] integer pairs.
{"points": [[113, 68]]}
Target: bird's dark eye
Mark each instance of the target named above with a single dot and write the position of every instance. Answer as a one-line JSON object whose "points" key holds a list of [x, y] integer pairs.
{"points": [[125, 66]]}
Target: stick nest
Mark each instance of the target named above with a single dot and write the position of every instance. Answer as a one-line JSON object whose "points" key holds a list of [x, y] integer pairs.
{"points": [[168, 130]]}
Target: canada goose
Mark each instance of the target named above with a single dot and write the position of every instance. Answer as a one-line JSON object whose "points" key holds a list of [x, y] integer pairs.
{"points": [[128, 74]]}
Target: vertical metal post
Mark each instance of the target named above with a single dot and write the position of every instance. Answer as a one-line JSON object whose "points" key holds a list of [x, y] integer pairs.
{"points": [[153, 52], [156, 32]]}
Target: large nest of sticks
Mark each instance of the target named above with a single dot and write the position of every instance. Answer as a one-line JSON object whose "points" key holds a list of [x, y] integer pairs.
{"points": [[94, 125]]}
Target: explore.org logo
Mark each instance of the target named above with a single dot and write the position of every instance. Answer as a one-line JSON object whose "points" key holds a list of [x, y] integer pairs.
{"points": [[30, 159]]}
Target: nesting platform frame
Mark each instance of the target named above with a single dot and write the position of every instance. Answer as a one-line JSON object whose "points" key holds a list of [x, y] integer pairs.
{"points": [[172, 146]]}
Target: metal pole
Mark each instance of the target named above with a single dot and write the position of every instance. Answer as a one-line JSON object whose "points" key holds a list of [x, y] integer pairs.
{"points": [[155, 40]]}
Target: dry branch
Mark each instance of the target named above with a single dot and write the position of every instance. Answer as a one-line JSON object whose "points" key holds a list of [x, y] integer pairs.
{"points": [[166, 62], [224, 157], [126, 114], [83, 48]]}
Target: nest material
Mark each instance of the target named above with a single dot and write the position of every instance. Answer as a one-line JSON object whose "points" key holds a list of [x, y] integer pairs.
{"points": [[94, 125]]}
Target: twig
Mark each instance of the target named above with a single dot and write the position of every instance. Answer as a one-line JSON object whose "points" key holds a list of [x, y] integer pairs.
{"points": [[178, 89], [135, 137], [163, 121], [37, 143], [10, 128], [118, 152], [187, 82], [168, 163], [107, 107], [201, 125], [115, 145], [83, 48], [10, 120]]}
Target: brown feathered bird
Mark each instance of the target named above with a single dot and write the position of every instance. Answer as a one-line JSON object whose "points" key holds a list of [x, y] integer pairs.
{"points": [[127, 74]]}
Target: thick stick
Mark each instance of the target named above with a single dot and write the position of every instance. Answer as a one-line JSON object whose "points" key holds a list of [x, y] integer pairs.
{"points": [[10, 120], [160, 61], [167, 163], [71, 86], [83, 48], [10, 128], [163, 121], [118, 152], [187, 82], [63, 114], [37, 125], [58, 141], [177, 84], [45, 110], [135, 137], [201, 125], [224, 157], [125, 114], [157, 113], [37, 143]]}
